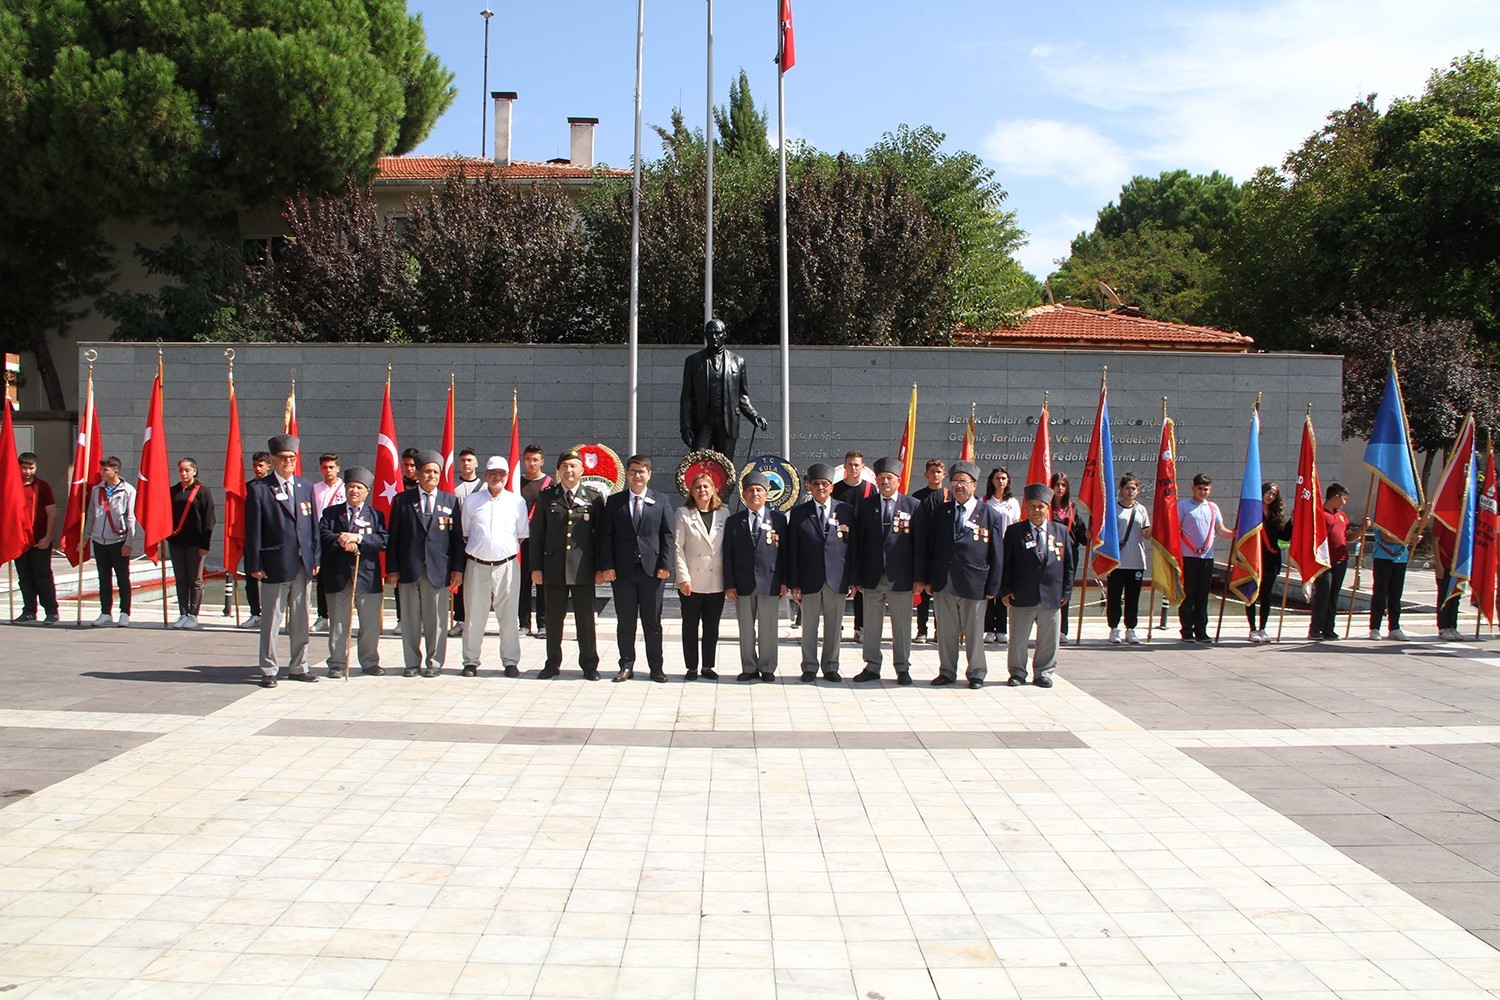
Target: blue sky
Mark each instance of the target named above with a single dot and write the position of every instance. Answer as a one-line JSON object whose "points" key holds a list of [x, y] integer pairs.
{"points": [[1066, 101]]}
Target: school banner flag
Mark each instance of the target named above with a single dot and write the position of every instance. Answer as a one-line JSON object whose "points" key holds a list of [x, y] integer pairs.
{"points": [[234, 486], [1040, 468], [908, 443], [1486, 552], [153, 485], [445, 481], [1398, 497], [86, 476], [1097, 492], [1309, 551], [1247, 556], [1166, 530], [1454, 506]]}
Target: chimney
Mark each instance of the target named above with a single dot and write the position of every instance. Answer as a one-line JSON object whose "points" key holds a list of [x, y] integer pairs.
{"points": [[581, 141], [503, 101]]}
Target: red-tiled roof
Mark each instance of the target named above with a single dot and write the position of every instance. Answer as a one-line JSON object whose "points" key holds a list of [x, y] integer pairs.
{"points": [[1124, 328], [398, 169]]}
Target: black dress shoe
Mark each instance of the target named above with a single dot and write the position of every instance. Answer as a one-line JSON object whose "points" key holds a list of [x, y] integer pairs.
{"points": [[832, 676], [903, 678], [1043, 682], [659, 676], [305, 677], [691, 675], [623, 675], [975, 685], [512, 670], [547, 673], [808, 676], [866, 675], [1333, 637], [767, 677], [409, 672], [335, 672], [748, 675], [373, 671], [429, 672], [267, 682], [1014, 682], [710, 674], [941, 681], [591, 675], [471, 671]]}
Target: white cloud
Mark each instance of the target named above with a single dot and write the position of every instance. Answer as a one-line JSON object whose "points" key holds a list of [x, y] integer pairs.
{"points": [[1069, 152], [1050, 243]]}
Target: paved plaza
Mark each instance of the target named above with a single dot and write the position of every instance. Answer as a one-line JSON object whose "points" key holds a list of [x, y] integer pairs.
{"points": [[1169, 820]]}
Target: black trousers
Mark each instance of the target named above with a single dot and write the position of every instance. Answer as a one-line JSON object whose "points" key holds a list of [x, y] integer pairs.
{"points": [[1270, 571], [1447, 616], [1325, 600], [996, 618], [252, 593], [322, 598], [705, 610], [1122, 595], [1390, 581], [34, 574], [524, 604], [114, 569], [187, 567], [638, 595], [1197, 581], [555, 600], [924, 608]]}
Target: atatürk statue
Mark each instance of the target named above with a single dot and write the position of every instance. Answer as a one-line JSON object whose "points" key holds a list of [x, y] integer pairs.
{"points": [[715, 393]]}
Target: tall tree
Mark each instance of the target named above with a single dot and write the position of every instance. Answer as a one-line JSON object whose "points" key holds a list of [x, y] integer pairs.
{"points": [[184, 111]]}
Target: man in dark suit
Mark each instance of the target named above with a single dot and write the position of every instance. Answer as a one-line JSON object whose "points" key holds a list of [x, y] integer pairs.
{"points": [[886, 525], [1036, 585], [562, 562], [959, 560], [715, 394], [755, 576], [281, 551], [819, 570], [635, 559], [353, 534], [425, 559]]}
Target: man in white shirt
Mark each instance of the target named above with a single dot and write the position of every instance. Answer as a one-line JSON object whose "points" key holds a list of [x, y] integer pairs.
{"points": [[494, 526], [326, 492]]}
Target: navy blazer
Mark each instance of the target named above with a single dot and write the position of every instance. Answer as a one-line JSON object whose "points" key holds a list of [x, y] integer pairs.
{"points": [[623, 545], [1031, 580], [969, 564], [881, 552], [750, 568], [420, 546], [815, 556], [338, 565], [281, 535]]}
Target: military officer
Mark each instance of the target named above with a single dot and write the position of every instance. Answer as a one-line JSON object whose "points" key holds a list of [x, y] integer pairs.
{"points": [[562, 558]]}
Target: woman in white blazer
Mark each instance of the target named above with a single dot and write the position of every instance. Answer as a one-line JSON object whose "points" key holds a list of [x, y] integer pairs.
{"points": [[700, 572]]}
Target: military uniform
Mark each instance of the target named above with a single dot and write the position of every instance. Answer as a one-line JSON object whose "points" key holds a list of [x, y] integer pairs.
{"points": [[562, 542]]}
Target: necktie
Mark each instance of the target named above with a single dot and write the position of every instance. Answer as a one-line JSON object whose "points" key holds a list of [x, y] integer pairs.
{"points": [[822, 517], [635, 511], [958, 520], [885, 514], [1040, 537], [427, 504]]}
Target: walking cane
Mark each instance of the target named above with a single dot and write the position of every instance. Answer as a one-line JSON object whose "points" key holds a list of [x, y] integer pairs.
{"points": [[349, 625]]}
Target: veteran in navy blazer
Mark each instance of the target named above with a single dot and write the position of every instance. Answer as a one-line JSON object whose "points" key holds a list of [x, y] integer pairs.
{"points": [[755, 552], [886, 526], [820, 570], [425, 559], [281, 551], [1036, 585], [353, 533], [959, 560], [635, 558]]}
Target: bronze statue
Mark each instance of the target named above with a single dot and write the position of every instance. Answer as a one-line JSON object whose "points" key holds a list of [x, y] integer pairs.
{"points": [[715, 393]]}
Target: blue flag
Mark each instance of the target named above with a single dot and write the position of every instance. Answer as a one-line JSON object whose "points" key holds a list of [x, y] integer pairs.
{"points": [[1246, 560], [1097, 493], [1398, 503], [1463, 551]]}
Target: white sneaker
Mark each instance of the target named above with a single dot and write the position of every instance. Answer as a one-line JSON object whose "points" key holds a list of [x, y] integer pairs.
{"points": [[321, 625], [1396, 635], [1132, 637], [191, 623], [456, 631], [178, 622], [103, 620], [1002, 637], [1115, 635], [1374, 633], [1255, 637], [123, 621], [1450, 635], [252, 622]]}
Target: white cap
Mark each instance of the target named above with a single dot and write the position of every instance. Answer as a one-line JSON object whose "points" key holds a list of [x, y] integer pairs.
{"points": [[496, 462]]}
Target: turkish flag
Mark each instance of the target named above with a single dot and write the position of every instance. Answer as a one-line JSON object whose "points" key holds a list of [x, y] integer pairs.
{"points": [[153, 487], [289, 422], [513, 481], [15, 514], [234, 488], [1040, 469], [445, 482], [86, 476], [786, 55], [387, 463]]}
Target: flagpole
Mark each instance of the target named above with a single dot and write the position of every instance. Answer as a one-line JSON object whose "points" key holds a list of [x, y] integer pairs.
{"points": [[86, 428], [786, 338], [161, 561], [633, 375], [1153, 601], [1359, 560], [708, 222]]}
